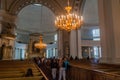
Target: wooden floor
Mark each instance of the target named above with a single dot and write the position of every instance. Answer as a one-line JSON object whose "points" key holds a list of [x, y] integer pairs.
{"points": [[16, 69]]}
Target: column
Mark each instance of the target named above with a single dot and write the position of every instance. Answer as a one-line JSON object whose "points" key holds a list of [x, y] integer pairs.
{"points": [[7, 30], [73, 44], [79, 45], [60, 43], [109, 17]]}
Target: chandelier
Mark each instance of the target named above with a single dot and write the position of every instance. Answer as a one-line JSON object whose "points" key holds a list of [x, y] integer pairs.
{"points": [[69, 21], [41, 45]]}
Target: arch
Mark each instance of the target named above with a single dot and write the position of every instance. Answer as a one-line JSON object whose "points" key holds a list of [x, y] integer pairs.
{"points": [[17, 5]]}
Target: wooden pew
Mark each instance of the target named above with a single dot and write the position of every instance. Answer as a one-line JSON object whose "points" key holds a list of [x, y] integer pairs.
{"points": [[24, 78], [15, 70], [10, 75], [84, 71]]}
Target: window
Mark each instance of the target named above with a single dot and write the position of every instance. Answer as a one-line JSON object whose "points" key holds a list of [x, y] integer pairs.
{"points": [[96, 34], [55, 38], [37, 4], [97, 51]]}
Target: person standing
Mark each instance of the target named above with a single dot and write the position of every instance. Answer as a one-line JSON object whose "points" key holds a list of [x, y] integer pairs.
{"points": [[67, 66], [54, 66], [62, 72]]}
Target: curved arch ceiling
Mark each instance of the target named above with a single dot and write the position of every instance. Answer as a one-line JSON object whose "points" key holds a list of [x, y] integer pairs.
{"points": [[36, 19]]}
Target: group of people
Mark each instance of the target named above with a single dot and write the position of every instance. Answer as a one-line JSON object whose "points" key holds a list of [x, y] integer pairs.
{"points": [[59, 65]]}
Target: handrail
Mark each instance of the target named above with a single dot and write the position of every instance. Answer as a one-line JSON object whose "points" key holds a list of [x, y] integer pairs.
{"points": [[41, 72]]}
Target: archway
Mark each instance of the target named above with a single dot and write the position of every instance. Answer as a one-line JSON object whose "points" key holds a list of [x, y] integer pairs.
{"points": [[33, 20]]}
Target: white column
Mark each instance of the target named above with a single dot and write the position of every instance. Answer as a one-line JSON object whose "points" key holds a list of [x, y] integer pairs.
{"points": [[79, 45], [60, 43], [109, 17], [116, 24], [73, 46]]}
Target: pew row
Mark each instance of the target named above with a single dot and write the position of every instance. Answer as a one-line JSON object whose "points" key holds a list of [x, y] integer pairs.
{"points": [[10, 75], [16, 70], [24, 78]]}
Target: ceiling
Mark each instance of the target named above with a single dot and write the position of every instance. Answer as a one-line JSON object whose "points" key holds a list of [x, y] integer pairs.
{"points": [[36, 19], [40, 19]]}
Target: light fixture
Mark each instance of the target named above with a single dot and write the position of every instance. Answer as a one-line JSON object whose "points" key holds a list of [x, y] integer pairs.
{"points": [[69, 21], [40, 45]]}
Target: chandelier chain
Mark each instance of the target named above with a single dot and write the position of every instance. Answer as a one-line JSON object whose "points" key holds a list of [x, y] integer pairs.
{"points": [[68, 3]]}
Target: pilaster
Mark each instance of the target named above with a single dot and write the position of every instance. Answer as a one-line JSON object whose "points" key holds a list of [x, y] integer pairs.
{"points": [[60, 43]]}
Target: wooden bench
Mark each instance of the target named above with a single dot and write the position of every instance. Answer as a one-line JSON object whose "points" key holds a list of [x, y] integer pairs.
{"points": [[24, 78], [16, 70], [83, 71], [9, 75]]}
